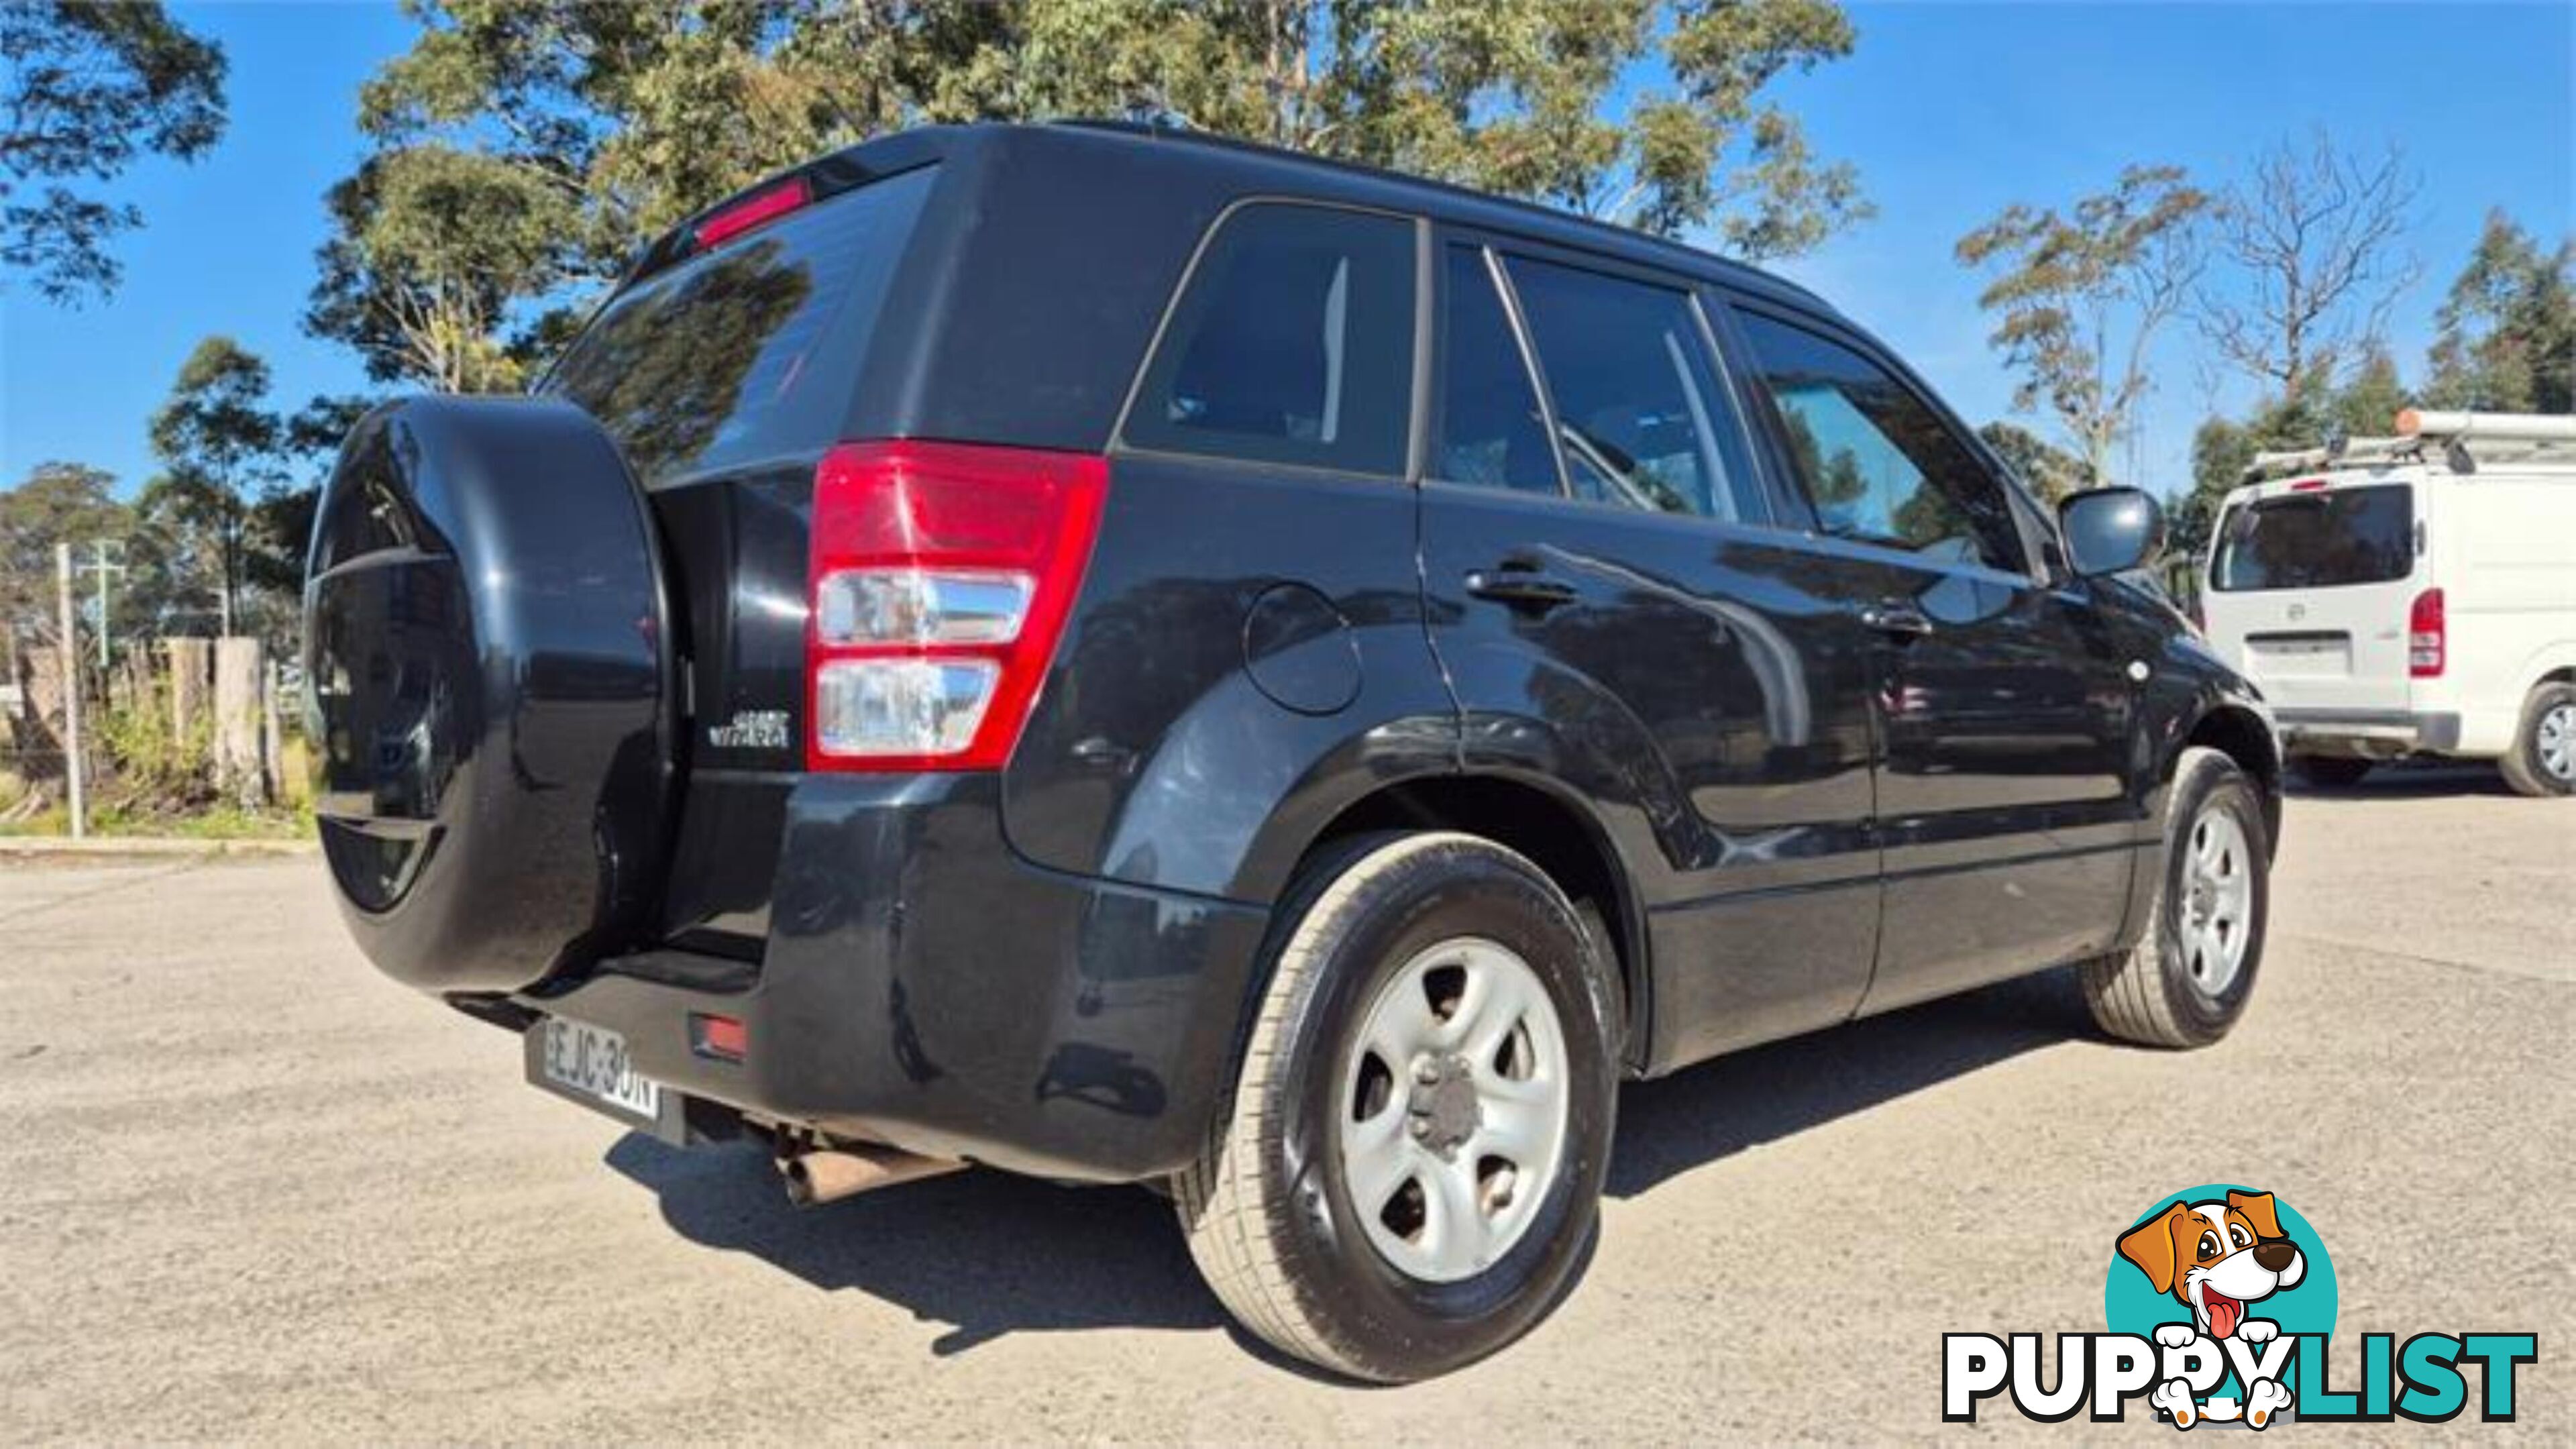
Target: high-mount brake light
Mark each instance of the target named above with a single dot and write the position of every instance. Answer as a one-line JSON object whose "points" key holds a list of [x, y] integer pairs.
{"points": [[756, 210], [2309, 485], [2427, 636], [940, 577]]}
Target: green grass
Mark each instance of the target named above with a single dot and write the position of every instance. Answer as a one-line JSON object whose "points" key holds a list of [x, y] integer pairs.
{"points": [[220, 822]]}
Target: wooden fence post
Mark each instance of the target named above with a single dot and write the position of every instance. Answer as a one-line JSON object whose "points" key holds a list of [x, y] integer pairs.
{"points": [[239, 673], [192, 671], [41, 678], [272, 738]]}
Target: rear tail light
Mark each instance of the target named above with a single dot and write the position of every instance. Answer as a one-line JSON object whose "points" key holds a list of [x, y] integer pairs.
{"points": [[941, 575], [2427, 634], [721, 1037]]}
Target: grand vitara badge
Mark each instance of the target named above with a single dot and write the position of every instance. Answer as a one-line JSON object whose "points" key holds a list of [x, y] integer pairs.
{"points": [[750, 729]]}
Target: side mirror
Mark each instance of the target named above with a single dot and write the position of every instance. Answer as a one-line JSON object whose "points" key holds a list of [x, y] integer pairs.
{"points": [[2108, 530]]}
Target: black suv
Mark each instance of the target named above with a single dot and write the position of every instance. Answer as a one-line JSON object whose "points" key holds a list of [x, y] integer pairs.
{"points": [[1124, 657]]}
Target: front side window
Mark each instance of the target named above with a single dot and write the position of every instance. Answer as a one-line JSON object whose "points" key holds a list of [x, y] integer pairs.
{"points": [[1878, 464], [1293, 344], [1640, 417], [2317, 540]]}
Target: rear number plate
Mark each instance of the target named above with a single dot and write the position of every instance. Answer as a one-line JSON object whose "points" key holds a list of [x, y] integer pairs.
{"points": [[591, 1064]]}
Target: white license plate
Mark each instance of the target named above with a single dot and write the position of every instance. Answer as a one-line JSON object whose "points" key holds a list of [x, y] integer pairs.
{"points": [[592, 1063]]}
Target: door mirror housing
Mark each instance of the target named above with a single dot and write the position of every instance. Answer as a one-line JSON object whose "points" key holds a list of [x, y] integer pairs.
{"points": [[2110, 530]]}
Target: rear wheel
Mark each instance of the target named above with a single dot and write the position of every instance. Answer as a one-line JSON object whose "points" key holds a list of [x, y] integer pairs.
{"points": [[1409, 1178], [2331, 772], [2187, 981], [2542, 761]]}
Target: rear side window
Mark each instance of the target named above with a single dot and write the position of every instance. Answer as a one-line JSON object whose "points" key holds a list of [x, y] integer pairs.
{"points": [[1490, 428], [1877, 462], [1293, 344], [1639, 415], [751, 351], [2317, 540]]}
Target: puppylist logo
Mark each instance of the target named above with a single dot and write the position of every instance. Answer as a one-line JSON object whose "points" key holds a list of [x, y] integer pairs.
{"points": [[2220, 1304]]}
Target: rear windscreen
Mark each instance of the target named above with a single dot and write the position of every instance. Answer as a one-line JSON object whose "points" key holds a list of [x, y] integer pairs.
{"points": [[752, 350], [2317, 540]]}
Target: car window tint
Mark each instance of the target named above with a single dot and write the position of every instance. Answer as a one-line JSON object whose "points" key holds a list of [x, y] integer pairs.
{"points": [[747, 351], [1490, 429], [1875, 459], [1293, 344], [1639, 415]]}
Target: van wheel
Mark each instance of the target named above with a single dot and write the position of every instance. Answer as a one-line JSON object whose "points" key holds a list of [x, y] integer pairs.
{"points": [[1410, 1174], [2187, 981], [2330, 772], [2543, 758]]}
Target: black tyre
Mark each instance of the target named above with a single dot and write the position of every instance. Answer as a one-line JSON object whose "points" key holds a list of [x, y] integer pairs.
{"points": [[1409, 1177], [2542, 761], [2331, 772], [2186, 983]]}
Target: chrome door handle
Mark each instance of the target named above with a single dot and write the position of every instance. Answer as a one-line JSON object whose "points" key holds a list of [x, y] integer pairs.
{"points": [[1903, 621], [1520, 588]]}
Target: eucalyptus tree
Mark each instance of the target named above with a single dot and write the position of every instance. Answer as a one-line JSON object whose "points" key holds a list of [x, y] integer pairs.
{"points": [[521, 147]]}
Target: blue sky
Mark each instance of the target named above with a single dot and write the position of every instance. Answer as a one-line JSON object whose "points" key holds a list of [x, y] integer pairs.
{"points": [[1951, 111]]}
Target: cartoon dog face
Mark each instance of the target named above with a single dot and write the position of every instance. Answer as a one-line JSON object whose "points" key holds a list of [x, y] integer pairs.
{"points": [[2216, 1257]]}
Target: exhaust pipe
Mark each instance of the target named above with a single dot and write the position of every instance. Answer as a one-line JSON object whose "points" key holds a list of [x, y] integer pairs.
{"points": [[828, 1174]]}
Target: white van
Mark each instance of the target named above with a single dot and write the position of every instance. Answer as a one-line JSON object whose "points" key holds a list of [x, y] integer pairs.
{"points": [[2410, 595]]}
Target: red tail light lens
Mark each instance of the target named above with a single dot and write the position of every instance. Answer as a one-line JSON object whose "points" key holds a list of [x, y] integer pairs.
{"points": [[721, 1037], [940, 578], [758, 209], [2427, 636]]}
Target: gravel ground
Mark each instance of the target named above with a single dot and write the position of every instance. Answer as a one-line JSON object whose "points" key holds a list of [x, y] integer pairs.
{"points": [[250, 1190]]}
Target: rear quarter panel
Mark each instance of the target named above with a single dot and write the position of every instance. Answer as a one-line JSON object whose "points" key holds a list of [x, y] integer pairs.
{"points": [[2504, 553], [1160, 753]]}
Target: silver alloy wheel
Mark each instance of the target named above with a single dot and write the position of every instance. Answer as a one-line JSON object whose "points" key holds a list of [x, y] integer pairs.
{"points": [[2555, 739], [2218, 899], [1452, 1117]]}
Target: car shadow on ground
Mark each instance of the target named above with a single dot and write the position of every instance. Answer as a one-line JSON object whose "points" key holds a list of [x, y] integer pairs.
{"points": [[990, 1254], [1712, 1111], [2411, 780]]}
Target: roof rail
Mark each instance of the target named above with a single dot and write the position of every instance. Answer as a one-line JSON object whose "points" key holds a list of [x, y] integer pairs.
{"points": [[2422, 434]]}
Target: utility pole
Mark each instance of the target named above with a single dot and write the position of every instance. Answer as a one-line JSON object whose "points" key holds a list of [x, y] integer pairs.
{"points": [[99, 565], [70, 656]]}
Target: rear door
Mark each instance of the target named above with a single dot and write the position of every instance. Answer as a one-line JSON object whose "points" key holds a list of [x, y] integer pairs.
{"points": [[1620, 616], [724, 379], [2008, 817], [2310, 583]]}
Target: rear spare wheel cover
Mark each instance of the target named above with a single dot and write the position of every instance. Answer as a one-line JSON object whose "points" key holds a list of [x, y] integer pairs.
{"points": [[488, 691]]}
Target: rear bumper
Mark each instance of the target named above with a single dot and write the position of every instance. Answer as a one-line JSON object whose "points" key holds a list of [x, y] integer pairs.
{"points": [[2371, 734], [925, 987]]}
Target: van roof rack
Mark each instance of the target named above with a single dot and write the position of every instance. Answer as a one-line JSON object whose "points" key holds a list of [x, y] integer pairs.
{"points": [[2497, 438]]}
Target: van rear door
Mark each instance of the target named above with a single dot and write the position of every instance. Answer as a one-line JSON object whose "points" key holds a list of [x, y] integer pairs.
{"points": [[2309, 588]]}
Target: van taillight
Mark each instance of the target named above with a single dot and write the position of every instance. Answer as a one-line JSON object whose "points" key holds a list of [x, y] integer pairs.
{"points": [[940, 575], [2426, 636]]}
